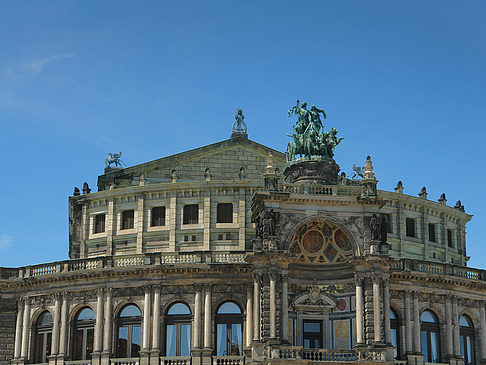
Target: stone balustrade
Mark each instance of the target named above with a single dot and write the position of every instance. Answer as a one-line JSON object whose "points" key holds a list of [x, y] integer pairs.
{"points": [[297, 352], [440, 269], [228, 360], [125, 361], [175, 360], [331, 190]]}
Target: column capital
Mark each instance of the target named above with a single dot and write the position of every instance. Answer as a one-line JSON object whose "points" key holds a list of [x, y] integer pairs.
{"points": [[273, 275], [197, 287], [99, 292], [257, 276], [157, 289], [375, 277], [386, 282], [284, 278], [147, 289], [358, 279], [109, 291], [208, 286], [249, 287]]}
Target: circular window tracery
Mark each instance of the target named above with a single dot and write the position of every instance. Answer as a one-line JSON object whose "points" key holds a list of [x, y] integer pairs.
{"points": [[320, 242]]}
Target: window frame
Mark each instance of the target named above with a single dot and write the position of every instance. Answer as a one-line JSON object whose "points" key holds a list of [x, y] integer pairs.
{"points": [[428, 328], [432, 228], [188, 216], [178, 320], [221, 213], [413, 227], [44, 332], [153, 219], [395, 325], [83, 325], [130, 323], [127, 222], [464, 333], [228, 319], [450, 239]]}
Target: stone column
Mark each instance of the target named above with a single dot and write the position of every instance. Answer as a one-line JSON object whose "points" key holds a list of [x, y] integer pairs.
{"points": [[18, 329], [64, 325], [197, 316], [156, 320], [108, 320], [207, 317], [98, 330], [273, 305], [249, 316], [408, 323], [256, 306], [455, 323], [416, 324], [284, 326], [482, 332], [55, 325], [25, 330], [146, 319], [386, 310], [376, 308], [448, 334], [359, 310]]}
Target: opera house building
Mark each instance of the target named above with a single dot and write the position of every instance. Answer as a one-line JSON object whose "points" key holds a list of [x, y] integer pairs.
{"points": [[236, 253]]}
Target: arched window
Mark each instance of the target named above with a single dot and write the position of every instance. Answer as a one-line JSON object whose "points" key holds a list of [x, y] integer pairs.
{"points": [[466, 331], [129, 330], [83, 334], [395, 333], [430, 336], [178, 330], [43, 337], [229, 327]]}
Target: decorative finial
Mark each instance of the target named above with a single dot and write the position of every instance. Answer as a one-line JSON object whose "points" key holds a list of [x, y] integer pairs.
{"points": [[399, 187], [423, 193], [239, 126], [86, 189], [459, 206], [270, 176], [442, 198], [76, 191], [368, 169]]}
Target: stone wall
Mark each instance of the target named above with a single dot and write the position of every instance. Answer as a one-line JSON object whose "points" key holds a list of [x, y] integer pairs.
{"points": [[8, 318]]}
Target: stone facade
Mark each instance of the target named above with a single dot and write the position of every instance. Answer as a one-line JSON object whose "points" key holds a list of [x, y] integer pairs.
{"points": [[219, 255]]}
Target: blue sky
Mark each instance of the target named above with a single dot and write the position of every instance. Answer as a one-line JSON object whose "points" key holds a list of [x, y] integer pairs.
{"points": [[402, 81]]}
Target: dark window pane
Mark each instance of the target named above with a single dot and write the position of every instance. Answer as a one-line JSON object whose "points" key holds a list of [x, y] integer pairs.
{"points": [[121, 349], [136, 341], [225, 213], [449, 238], [410, 227], [388, 221], [190, 214], [158, 216], [432, 237], [89, 342], [128, 219], [78, 345], [99, 226]]}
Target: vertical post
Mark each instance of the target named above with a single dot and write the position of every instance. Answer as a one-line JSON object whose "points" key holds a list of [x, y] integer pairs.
{"points": [[386, 310], [408, 323], [242, 222], [64, 325], [55, 325], [172, 220], [416, 323], [207, 317], [25, 330], [197, 316], [146, 319], [249, 316], [156, 320], [359, 310], [108, 319], [18, 329], [482, 332], [98, 344], [110, 223], [84, 231], [376, 307], [207, 219], [455, 322], [256, 306], [449, 335], [284, 326], [273, 300]]}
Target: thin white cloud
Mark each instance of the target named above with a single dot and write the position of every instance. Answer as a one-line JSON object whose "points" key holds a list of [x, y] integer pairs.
{"points": [[33, 67], [6, 241]]}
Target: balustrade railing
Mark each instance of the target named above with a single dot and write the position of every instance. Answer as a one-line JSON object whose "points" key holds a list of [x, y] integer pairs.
{"points": [[175, 360], [297, 352], [228, 360], [125, 361], [77, 362]]}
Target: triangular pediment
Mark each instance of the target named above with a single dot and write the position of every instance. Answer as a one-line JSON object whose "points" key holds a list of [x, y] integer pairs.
{"points": [[227, 160]]}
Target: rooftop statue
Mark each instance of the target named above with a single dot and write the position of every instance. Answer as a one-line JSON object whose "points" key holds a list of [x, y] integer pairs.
{"points": [[358, 172], [114, 158], [239, 125], [309, 136]]}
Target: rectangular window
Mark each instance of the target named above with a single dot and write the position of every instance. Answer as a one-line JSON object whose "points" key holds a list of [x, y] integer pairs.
{"points": [[388, 222], [158, 216], [432, 237], [410, 227], [99, 224], [228, 236], [127, 219], [225, 213], [193, 238], [220, 237], [449, 238], [190, 214]]}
